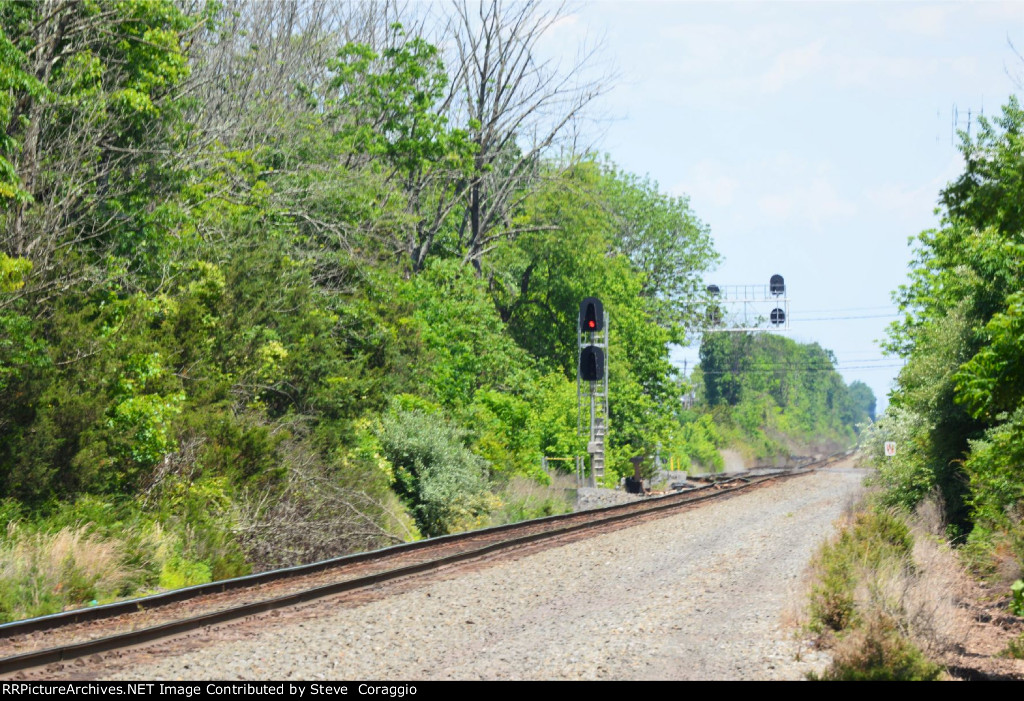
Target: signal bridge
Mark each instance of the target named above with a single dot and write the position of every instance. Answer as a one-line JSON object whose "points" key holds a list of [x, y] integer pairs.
{"points": [[745, 308]]}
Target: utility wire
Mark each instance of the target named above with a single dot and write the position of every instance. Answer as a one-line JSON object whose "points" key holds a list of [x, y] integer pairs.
{"points": [[842, 318], [755, 371], [849, 309]]}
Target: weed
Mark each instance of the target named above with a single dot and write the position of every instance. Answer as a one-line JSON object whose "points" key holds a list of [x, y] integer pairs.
{"points": [[42, 573], [524, 499], [1017, 600], [1015, 649], [872, 538], [885, 595], [878, 651]]}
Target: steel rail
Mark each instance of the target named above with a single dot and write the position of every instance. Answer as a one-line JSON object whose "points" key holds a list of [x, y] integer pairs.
{"points": [[612, 514]]}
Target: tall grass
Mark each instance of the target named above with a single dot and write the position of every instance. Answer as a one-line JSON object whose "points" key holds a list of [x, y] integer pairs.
{"points": [[523, 499], [43, 573], [885, 596]]}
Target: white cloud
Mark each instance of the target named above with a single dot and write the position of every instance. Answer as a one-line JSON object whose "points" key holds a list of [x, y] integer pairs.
{"points": [[732, 62], [811, 203], [912, 205], [1012, 11], [567, 30]]}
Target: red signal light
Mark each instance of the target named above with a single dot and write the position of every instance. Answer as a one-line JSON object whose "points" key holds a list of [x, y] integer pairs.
{"points": [[591, 317]]}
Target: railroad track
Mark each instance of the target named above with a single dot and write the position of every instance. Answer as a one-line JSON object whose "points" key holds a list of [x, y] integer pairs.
{"points": [[71, 635]]}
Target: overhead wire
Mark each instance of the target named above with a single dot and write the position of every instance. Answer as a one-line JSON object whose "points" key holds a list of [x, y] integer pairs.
{"points": [[843, 318]]}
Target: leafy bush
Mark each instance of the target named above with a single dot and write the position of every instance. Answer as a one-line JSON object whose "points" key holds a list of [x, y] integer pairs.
{"points": [[440, 479], [907, 477], [1017, 598], [178, 572], [201, 513]]}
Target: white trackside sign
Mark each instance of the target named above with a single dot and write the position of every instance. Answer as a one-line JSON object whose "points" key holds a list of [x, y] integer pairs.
{"points": [[890, 449]]}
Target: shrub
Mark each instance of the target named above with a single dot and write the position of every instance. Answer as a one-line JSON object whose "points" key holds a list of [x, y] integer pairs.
{"points": [[887, 597], [877, 651], [874, 537], [178, 572], [439, 478], [1017, 594]]}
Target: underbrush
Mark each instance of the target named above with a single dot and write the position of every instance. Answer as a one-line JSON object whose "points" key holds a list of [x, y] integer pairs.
{"points": [[94, 551], [523, 499], [182, 533], [46, 569], [884, 597], [40, 572]]}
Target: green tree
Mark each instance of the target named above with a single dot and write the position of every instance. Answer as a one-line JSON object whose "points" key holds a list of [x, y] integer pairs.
{"points": [[572, 251], [391, 107], [767, 384], [960, 333], [102, 94]]}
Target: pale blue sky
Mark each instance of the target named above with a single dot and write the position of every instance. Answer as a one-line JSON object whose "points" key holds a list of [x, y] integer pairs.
{"points": [[813, 137]]}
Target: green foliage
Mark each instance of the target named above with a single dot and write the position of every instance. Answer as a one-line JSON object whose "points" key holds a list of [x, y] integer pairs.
{"points": [[439, 478], [880, 652], [961, 335], [13, 271], [463, 336], [1017, 598], [14, 79], [389, 104], [178, 572], [230, 345], [503, 427], [906, 477], [771, 390], [991, 381], [861, 405], [663, 240], [697, 441], [202, 513], [994, 469], [874, 537], [22, 357], [595, 229]]}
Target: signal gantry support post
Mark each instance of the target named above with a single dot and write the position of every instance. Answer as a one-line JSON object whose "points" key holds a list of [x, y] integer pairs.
{"points": [[592, 380]]}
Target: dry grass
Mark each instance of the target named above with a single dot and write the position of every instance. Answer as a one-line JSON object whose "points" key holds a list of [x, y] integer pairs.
{"points": [[888, 610], [925, 601], [45, 572], [523, 498]]}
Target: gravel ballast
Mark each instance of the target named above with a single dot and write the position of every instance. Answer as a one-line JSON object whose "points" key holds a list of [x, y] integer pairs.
{"points": [[702, 594]]}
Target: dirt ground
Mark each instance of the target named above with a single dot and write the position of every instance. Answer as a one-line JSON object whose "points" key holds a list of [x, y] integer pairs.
{"points": [[991, 630]]}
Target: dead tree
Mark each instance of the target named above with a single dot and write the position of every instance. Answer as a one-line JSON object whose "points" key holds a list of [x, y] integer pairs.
{"points": [[520, 108]]}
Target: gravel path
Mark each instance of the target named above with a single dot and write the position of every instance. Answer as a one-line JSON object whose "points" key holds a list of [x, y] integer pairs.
{"points": [[699, 595]]}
